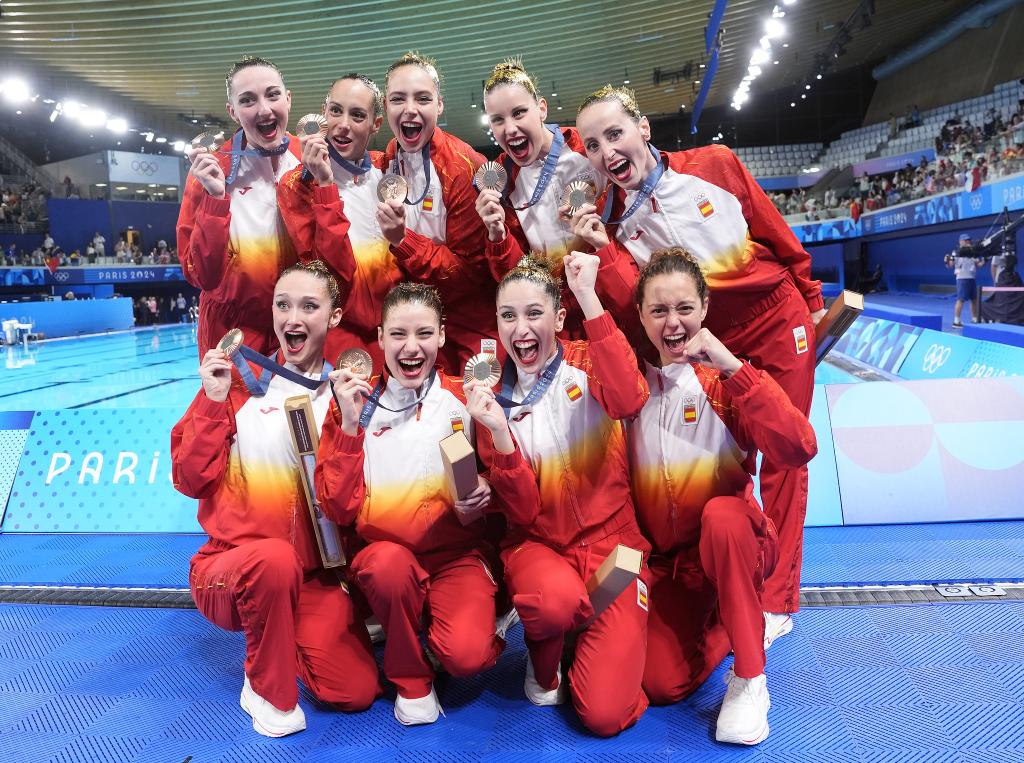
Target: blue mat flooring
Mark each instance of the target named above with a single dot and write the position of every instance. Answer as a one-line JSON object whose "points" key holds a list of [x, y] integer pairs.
{"points": [[920, 683], [868, 555]]}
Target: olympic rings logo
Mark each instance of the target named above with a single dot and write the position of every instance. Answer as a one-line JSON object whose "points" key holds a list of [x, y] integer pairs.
{"points": [[143, 167], [60, 275], [935, 358]]}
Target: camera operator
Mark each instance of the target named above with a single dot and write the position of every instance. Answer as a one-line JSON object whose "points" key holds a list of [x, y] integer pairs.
{"points": [[965, 265]]}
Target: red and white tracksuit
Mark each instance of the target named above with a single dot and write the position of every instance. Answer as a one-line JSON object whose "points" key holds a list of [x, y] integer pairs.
{"points": [[540, 229], [692, 451], [444, 243], [569, 517], [389, 480], [762, 295], [260, 570], [311, 214], [234, 248]]}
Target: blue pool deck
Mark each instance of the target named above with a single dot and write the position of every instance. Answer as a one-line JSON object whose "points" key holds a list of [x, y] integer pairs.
{"points": [[931, 682]]}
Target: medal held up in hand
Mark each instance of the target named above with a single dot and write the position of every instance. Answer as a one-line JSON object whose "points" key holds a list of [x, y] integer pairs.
{"points": [[392, 188], [356, 361], [491, 176], [483, 367], [312, 124], [578, 193]]}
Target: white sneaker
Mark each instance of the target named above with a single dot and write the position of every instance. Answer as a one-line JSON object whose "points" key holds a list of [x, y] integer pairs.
{"points": [[776, 626], [267, 719], [505, 622], [375, 629], [416, 712], [743, 718], [537, 694]]}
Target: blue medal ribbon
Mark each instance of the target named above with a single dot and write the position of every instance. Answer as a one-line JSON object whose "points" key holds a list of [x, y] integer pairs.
{"points": [[425, 153], [547, 171], [508, 382], [258, 387], [355, 170], [237, 154], [646, 189], [373, 401]]}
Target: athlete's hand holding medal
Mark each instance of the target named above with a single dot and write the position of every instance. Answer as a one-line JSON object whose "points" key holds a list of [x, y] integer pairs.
{"points": [[391, 193], [350, 381], [312, 132], [205, 165], [586, 224], [215, 371]]}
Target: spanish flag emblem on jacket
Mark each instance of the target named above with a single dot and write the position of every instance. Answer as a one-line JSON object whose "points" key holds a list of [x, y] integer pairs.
{"points": [[690, 410], [573, 391], [704, 205]]}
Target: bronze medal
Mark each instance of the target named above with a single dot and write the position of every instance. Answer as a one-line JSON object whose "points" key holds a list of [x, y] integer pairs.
{"points": [[482, 368], [392, 188], [491, 176], [312, 124], [578, 193], [231, 342], [356, 361], [207, 141]]}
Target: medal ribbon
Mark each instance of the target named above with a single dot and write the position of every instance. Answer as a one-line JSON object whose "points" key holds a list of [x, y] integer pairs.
{"points": [[508, 381], [238, 153], [373, 401], [646, 189], [425, 153], [258, 387], [353, 169], [547, 171]]}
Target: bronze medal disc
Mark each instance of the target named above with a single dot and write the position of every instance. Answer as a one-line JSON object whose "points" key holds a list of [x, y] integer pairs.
{"points": [[482, 368], [492, 176], [207, 141], [231, 342], [577, 193], [392, 188], [356, 361], [312, 124]]}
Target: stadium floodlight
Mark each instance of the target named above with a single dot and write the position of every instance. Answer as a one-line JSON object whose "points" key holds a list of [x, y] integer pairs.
{"points": [[760, 56], [161, 139], [117, 125], [72, 109], [15, 90], [92, 117], [774, 29], [754, 71], [179, 146]]}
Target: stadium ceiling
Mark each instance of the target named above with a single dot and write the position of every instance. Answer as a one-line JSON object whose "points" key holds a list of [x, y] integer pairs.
{"points": [[171, 56]]}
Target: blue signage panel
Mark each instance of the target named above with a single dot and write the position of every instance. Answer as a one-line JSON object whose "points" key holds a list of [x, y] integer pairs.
{"points": [[879, 343], [991, 359], [90, 275], [892, 163], [99, 470], [829, 230], [939, 356]]}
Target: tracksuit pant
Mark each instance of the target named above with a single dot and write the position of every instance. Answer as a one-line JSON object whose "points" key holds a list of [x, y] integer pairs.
{"points": [[704, 601], [294, 624], [548, 589], [454, 588], [771, 341]]}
